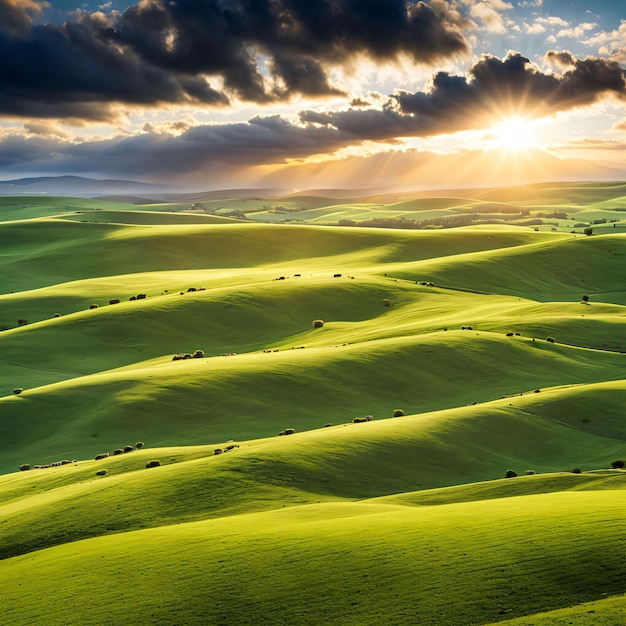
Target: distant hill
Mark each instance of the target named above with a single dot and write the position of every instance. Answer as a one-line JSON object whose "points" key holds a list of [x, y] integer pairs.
{"points": [[80, 186]]}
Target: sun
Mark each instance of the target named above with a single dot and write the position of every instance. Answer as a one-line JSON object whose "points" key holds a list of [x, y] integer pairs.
{"points": [[515, 134]]}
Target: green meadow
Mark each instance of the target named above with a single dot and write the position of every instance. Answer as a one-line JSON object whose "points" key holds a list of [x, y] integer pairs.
{"points": [[475, 350]]}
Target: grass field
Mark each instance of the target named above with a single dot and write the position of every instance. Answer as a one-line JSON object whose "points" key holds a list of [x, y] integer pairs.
{"points": [[497, 347]]}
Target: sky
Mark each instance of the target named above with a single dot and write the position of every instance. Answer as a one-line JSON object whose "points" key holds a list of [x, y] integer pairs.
{"points": [[314, 93]]}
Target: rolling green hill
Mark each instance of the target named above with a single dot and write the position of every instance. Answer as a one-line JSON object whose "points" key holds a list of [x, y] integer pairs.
{"points": [[441, 336]]}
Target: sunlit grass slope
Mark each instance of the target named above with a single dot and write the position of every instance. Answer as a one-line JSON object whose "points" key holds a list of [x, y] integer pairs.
{"points": [[346, 461], [399, 520], [359, 563]]}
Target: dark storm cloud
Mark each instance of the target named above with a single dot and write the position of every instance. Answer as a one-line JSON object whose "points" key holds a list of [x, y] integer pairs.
{"points": [[159, 51], [492, 88], [153, 154], [65, 72]]}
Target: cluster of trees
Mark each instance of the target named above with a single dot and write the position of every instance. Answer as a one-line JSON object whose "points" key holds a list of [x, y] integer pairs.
{"points": [[453, 221]]}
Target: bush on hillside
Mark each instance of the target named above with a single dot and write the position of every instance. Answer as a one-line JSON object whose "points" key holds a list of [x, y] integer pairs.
{"points": [[18, 390], [198, 354], [103, 455], [139, 445], [585, 298], [57, 315], [576, 470], [114, 301], [22, 322], [551, 339], [154, 463], [618, 464], [118, 451], [94, 306], [318, 323], [102, 472], [327, 425], [529, 472], [398, 412], [24, 467], [510, 474], [128, 448], [509, 334], [386, 302], [588, 231]]}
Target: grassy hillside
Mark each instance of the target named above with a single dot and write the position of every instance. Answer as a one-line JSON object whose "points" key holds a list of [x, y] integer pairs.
{"points": [[441, 336]]}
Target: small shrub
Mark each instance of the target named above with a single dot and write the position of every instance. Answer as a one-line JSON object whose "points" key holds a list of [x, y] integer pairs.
{"points": [[94, 306], [218, 451], [22, 322], [509, 334], [114, 301], [187, 355], [102, 472], [318, 323], [18, 390], [198, 354], [510, 474], [139, 445], [191, 289], [398, 412], [328, 425], [529, 472], [588, 231], [576, 470], [118, 451], [57, 315], [24, 467], [618, 464], [132, 298], [585, 298], [128, 449], [289, 431], [336, 275], [141, 296], [154, 463], [551, 339], [386, 302], [103, 455], [178, 357]]}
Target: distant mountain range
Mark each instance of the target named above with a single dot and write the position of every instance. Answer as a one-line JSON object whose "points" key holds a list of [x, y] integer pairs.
{"points": [[81, 186]]}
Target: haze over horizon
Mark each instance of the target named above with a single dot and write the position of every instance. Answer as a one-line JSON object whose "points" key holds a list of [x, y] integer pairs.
{"points": [[314, 93]]}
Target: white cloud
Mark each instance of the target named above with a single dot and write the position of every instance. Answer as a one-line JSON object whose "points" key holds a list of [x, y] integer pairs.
{"points": [[552, 20], [577, 31], [530, 3], [535, 29], [611, 43]]}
